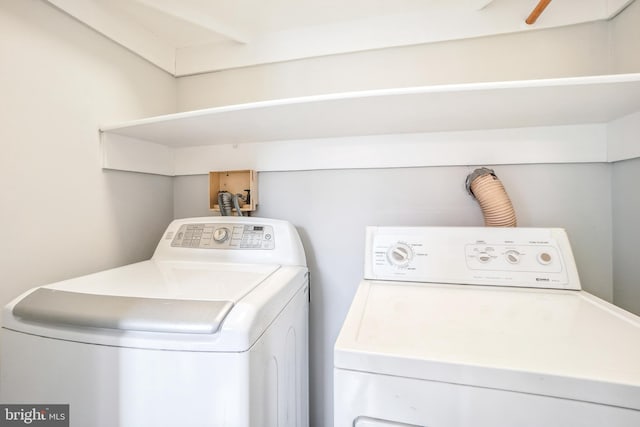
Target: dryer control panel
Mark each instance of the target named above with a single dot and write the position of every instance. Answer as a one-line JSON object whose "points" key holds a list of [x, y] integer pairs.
{"points": [[224, 236], [522, 257]]}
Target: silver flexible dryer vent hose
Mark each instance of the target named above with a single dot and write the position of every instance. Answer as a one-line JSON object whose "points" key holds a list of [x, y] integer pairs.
{"points": [[484, 185]]}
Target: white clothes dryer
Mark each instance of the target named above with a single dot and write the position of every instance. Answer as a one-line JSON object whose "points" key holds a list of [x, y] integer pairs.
{"points": [[482, 327], [211, 331]]}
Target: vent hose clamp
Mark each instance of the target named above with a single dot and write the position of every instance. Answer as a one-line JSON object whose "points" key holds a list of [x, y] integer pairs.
{"points": [[486, 188]]}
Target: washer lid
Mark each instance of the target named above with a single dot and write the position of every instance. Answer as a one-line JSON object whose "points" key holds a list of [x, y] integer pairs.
{"points": [[551, 342], [150, 296]]}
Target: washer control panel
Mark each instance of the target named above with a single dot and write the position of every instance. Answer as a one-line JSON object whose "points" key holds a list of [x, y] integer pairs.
{"points": [[224, 236], [524, 257]]}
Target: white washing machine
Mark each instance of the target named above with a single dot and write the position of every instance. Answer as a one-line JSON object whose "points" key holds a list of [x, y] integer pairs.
{"points": [[211, 331], [483, 327]]}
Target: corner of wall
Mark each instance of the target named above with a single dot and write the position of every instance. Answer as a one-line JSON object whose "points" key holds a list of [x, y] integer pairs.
{"points": [[624, 38]]}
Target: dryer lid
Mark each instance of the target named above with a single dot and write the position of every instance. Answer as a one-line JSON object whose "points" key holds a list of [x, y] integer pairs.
{"points": [[559, 343], [150, 296]]}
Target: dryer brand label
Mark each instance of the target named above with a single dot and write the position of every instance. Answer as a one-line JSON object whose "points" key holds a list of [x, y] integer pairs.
{"points": [[34, 415]]}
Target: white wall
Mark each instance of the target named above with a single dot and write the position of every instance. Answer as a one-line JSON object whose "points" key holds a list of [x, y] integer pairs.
{"points": [[63, 215], [625, 39]]}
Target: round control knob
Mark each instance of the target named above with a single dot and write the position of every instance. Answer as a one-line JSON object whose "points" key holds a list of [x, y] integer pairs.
{"points": [[512, 256], [399, 254], [221, 234], [483, 257]]}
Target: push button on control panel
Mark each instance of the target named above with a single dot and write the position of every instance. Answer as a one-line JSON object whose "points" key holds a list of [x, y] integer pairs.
{"points": [[544, 258]]}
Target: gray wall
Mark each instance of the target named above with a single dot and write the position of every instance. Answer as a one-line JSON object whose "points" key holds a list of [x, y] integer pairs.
{"points": [[626, 234], [331, 209], [625, 195]]}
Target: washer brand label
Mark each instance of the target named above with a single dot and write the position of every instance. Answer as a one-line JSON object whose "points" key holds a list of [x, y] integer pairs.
{"points": [[34, 415]]}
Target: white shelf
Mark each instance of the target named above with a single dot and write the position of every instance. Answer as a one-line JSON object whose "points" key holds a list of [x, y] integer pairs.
{"points": [[454, 109]]}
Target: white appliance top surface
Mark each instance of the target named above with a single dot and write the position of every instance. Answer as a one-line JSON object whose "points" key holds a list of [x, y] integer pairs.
{"points": [[167, 305], [151, 296], [173, 280], [533, 340]]}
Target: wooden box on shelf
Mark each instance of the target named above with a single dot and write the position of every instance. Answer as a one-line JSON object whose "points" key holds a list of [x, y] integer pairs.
{"points": [[242, 182]]}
